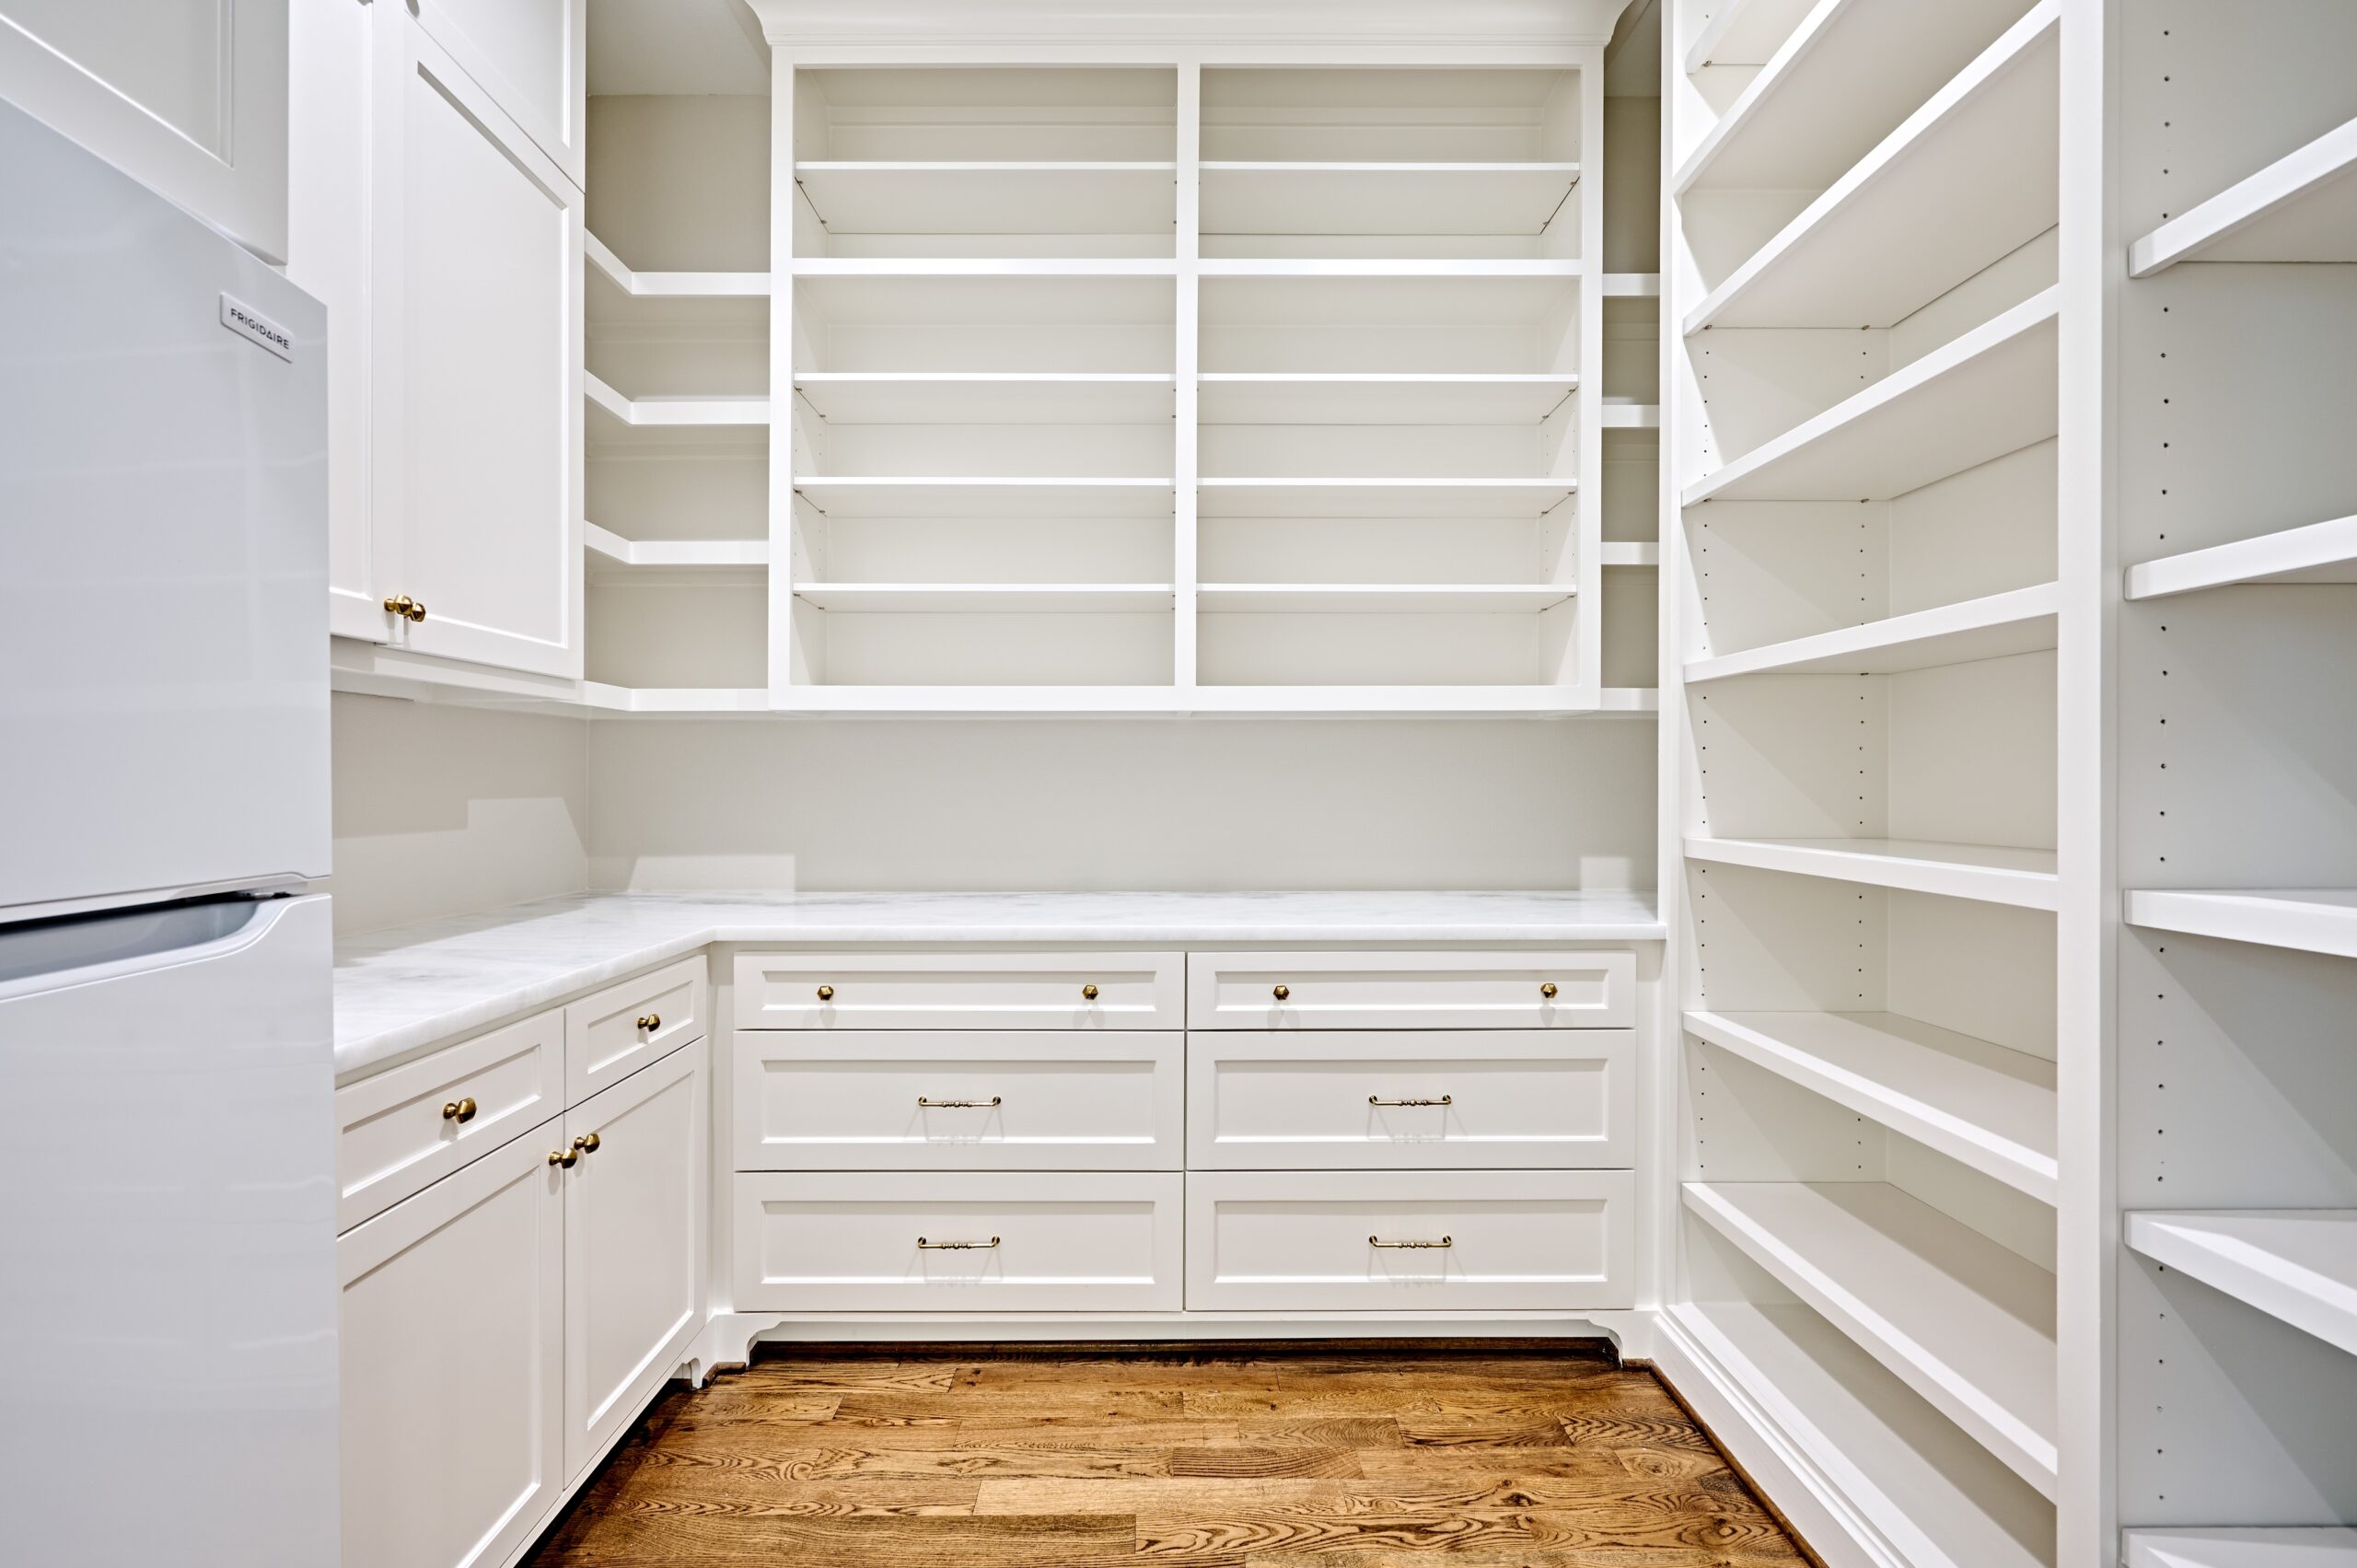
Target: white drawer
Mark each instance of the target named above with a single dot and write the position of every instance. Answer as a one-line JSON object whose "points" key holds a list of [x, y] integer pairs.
{"points": [[622, 1028], [972, 991], [889, 1100], [1512, 1241], [402, 1130], [1410, 991], [1469, 1099], [1031, 1241]]}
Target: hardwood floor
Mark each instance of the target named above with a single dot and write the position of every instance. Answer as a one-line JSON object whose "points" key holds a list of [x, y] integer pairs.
{"points": [[1373, 1459]]}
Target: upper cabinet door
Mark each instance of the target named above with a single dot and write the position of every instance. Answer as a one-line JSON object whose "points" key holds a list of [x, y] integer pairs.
{"points": [[476, 508], [188, 97], [531, 56]]}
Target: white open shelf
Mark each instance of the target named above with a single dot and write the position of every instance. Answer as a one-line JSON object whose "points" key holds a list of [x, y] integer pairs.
{"points": [[1351, 598], [1964, 1322], [988, 598], [645, 412], [672, 285], [2308, 920], [2024, 878], [1744, 32], [1631, 553], [1967, 179], [990, 196], [718, 554], [602, 697], [1539, 270], [2317, 552], [2020, 622], [1990, 1108], [2298, 1265], [2322, 1547], [1285, 397], [1989, 392], [1619, 414], [984, 267], [987, 397], [1367, 198], [1939, 1498], [1438, 497], [895, 496], [2302, 207]]}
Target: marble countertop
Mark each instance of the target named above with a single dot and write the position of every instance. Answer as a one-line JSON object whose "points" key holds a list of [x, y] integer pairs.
{"points": [[401, 991]]}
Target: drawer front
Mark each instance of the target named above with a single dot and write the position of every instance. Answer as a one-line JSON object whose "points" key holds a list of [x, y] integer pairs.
{"points": [[974, 991], [622, 1028], [401, 1131], [1425, 1100], [888, 1100], [1411, 991], [833, 1242], [1273, 1241]]}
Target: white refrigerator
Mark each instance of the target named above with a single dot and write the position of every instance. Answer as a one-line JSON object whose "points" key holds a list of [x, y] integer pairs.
{"points": [[167, 1303]]}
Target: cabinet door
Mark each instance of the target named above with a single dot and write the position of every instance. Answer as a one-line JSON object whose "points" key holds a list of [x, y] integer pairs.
{"points": [[477, 368], [531, 56], [633, 1246], [452, 1347], [188, 97]]}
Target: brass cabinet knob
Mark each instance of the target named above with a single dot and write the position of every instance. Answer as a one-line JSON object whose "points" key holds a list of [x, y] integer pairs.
{"points": [[1089, 992], [408, 608], [1282, 991], [458, 1109], [648, 1024], [566, 1158], [1546, 989], [586, 1143], [826, 993]]}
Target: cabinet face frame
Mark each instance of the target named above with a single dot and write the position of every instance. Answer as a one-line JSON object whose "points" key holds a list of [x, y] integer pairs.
{"points": [[557, 130], [408, 61]]}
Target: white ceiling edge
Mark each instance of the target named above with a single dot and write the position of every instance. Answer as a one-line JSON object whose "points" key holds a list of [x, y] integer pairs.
{"points": [[1420, 23]]}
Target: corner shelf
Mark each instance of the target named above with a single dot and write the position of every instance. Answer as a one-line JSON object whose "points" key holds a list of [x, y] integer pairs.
{"points": [[1285, 397], [1359, 198], [600, 697], [1279, 497], [996, 598], [1990, 1108], [1989, 392], [672, 285], [2003, 624], [1368, 599], [647, 413], [896, 495], [990, 196], [2297, 1265], [1628, 552], [987, 397], [2024, 878], [2306, 920], [2324, 1547], [1964, 1322], [2317, 552], [2302, 207], [718, 555]]}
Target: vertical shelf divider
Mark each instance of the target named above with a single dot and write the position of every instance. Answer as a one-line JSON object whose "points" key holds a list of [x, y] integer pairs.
{"points": [[1186, 560], [782, 303]]}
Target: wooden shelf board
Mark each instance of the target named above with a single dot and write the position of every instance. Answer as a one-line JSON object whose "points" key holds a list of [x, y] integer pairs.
{"points": [[1989, 392], [1938, 1497], [988, 396], [1990, 1108], [2296, 1265], [1255, 397], [1362, 198], [871, 495], [672, 285], [1290, 497], [882, 197], [1078, 598], [1744, 32], [2024, 878], [2302, 207], [1968, 178], [2307, 920], [717, 553], [647, 412], [1964, 1322], [2020, 622], [1374, 598], [2317, 552], [2319, 1547]]}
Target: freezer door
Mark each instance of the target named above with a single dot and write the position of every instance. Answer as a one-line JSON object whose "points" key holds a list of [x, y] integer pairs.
{"points": [[163, 547], [167, 1290]]}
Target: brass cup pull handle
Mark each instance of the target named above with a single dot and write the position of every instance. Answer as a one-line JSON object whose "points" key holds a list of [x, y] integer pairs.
{"points": [[1089, 992], [924, 1246], [586, 1143], [826, 993], [1282, 991], [460, 1110], [1445, 1099], [1546, 989], [566, 1158], [1446, 1241], [956, 1104], [650, 1023]]}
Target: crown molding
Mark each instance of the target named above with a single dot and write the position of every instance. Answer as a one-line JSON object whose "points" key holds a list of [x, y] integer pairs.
{"points": [[1456, 24]]}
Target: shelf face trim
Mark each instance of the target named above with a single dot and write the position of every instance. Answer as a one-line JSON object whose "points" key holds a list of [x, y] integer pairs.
{"points": [[2299, 1266], [2316, 552], [2019, 621], [2309, 195], [2023, 878], [2306, 920]]}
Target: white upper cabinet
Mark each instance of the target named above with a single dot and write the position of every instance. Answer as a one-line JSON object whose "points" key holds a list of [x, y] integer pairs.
{"points": [[476, 368], [187, 96], [531, 56]]}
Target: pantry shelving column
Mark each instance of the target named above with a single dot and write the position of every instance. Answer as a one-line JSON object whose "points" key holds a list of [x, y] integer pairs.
{"points": [[1187, 350]]}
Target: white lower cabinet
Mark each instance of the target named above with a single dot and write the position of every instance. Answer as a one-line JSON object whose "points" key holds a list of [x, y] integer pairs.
{"points": [[988, 1241], [1418, 1241], [452, 1350]]}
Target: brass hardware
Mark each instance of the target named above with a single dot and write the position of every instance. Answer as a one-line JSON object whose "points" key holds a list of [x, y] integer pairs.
{"points": [[924, 1246], [956, 1104], [1282, 991], [586, 1143], [406, 608], [650, 1023], [1546, 989], [826, 993], [1412, 1246], [566, 1158], [458, 1109], [1089, 992], [1445, 1099]]}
